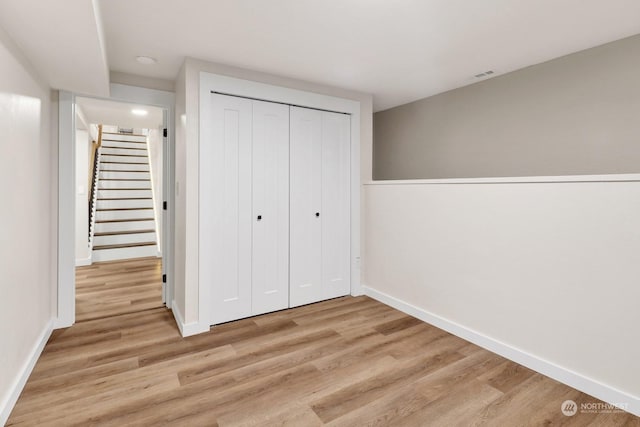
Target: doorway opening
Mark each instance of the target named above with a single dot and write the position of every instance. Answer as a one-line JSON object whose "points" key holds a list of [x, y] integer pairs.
{"points": [[119, 174]]}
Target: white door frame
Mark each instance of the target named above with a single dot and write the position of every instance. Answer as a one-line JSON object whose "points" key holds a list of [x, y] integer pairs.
{"points": [[251, 89], [66, 191]]}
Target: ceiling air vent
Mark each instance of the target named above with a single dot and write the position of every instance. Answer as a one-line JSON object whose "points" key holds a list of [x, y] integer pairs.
{"points": [[485, 74]]}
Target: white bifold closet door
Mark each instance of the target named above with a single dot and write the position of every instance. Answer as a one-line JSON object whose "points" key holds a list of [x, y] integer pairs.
{"points": [[247, 226], [270, 266], [320, 227]]}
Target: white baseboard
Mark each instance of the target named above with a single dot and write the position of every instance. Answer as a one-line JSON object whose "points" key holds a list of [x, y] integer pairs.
{"points": [[186, 329], [356, 290], [57, 323], [81, 262], [566, 376], [9, 401]]}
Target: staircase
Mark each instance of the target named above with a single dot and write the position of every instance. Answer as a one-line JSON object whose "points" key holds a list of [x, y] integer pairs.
{"points": [[123, 220]]}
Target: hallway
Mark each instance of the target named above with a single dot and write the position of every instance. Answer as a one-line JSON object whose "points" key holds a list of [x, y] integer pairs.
{"points": [[113, 288]]}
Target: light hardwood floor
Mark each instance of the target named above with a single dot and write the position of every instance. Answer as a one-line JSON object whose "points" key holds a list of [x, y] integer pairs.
{"points": [[344, 362], [112, 288]]}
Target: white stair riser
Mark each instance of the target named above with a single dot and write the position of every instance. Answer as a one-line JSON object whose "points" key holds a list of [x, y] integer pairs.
{"points": [[106, 184], [123, 159], [123, 137], [125, 151], [122, 144], [106, 167], [107, 227], [124, 175], [123, 194], [117, 239], [124, 253], [126, 214], [123, 203]]}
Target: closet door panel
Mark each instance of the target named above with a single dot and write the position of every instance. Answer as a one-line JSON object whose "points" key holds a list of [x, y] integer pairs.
{"points": [[305, 285], [270, 264], [229, 219], [336, 136]]}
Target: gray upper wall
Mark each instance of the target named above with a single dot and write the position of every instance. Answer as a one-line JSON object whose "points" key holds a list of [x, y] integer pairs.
{"points": [[575, 115]]}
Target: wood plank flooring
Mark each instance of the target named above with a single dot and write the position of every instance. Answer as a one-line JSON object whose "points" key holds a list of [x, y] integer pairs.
{"points": [[111, 288], [344, 362]]}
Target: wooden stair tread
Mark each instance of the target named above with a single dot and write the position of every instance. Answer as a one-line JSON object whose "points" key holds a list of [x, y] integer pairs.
{"points": [[121, 140], [115, 233], [124, 220], [122, 209], [124, 189], [121, 163], [126, 148], [125, 134], [123, 245], [124, 155], [131, 198], [128, 142]]}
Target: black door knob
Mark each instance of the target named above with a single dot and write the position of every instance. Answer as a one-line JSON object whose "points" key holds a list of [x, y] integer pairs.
{"points": [[317, 213], [259, 217]]}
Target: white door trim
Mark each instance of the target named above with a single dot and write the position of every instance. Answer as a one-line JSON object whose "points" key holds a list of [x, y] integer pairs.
{"points": [[66, 210], [66, 191], [232, 86]]}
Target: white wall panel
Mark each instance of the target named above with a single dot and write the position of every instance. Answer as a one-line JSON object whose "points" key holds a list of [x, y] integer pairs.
{"points": [[28, 246], [548, 269]]}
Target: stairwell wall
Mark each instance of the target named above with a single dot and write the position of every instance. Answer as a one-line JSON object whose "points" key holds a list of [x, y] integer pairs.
{"points": [[83, 142], [155, 163], [27, 254]]}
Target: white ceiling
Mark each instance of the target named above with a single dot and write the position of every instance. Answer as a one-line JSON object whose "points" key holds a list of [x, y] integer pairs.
{"points": [[396, 50], [63, 41], [98, 111]]}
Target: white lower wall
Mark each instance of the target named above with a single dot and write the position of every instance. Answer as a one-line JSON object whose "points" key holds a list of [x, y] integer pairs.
{"points": [[550, 270], [26, 255]]}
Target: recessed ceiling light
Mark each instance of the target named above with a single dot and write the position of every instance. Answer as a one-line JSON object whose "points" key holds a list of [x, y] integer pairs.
{"points": [[146, 60], [139, 112]]}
